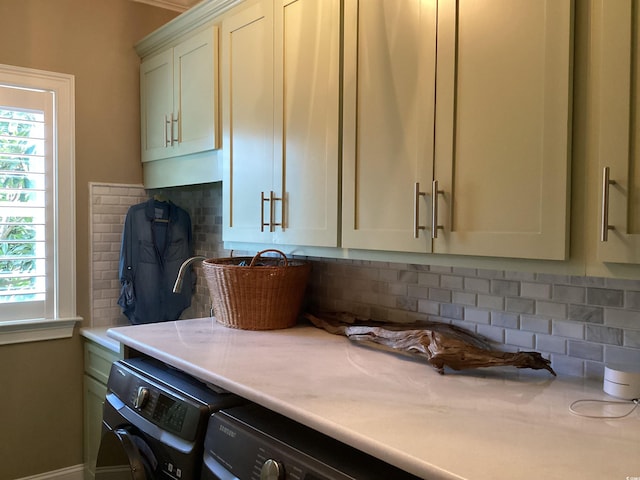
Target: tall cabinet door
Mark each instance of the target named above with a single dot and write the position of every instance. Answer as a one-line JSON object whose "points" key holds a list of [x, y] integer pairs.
{"points": [[502, 128], [389, 77], [247, 90], [195, 90], [156, 88], [307, 70], [617, 59]]}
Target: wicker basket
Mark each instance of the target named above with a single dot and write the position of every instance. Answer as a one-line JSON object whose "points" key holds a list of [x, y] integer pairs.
{"points": [[256, 293]]}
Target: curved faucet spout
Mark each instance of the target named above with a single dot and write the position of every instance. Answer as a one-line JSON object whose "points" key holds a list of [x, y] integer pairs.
{"points": [[183, 268]]}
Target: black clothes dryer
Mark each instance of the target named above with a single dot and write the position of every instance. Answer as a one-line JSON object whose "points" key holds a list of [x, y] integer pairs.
{"points": [[250, 442], [154, 422]]}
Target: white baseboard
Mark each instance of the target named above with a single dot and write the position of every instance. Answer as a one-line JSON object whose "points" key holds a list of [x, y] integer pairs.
{"points": [[75, 472]]}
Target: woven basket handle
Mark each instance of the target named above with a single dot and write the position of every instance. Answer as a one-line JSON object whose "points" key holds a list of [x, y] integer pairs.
{"points": [[257, 257]]}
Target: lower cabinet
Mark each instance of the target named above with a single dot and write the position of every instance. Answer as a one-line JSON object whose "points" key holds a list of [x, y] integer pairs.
{"points": [[97, 364]]}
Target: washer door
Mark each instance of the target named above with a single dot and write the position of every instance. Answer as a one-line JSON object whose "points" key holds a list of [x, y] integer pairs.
{"points": [[123, 455]]}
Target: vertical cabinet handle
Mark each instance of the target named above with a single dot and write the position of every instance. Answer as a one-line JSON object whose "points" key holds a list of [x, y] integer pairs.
{"points": [[169, 136], [416, 210], [605, 227], [434, 209], [166, 137], [272, 207], [263, 199], [175, 137], [271, 200]]}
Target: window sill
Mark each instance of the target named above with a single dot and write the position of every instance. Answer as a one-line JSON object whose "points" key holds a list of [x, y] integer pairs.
{"points": [[22, 331]]}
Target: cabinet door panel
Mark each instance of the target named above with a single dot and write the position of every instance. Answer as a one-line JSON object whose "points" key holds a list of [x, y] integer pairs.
{"points": [[502, 127], [618, 61], [195, 80], [156, 88], [307, 55], [248, 121], [195, 103], [94, 396], [389, 72]]}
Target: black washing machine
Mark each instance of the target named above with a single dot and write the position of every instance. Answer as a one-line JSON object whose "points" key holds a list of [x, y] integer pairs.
{"points": [[252, 443], [154, 422]]}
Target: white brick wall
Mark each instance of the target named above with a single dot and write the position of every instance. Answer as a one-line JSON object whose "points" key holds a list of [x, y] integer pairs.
{"points": [[108, 209]]}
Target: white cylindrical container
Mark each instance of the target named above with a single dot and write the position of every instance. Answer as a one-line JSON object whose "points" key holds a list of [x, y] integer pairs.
{"points": [[622, 381]]}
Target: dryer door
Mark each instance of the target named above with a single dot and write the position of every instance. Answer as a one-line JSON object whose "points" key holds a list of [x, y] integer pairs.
{"points": [[123, 455]]}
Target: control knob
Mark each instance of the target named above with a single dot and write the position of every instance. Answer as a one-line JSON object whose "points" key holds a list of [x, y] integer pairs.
{"points": [[141, 397], [272, 470]]}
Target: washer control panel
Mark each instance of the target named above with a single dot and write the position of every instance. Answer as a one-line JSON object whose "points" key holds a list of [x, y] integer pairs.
{"points": [[155, 402], [168, 399]]}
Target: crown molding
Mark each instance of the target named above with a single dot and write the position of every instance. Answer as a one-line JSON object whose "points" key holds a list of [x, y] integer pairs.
{"points": [[195, 17], [177, 6]]}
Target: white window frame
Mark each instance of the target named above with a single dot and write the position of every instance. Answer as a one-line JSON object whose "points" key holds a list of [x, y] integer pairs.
{"points": [[63, 316]]}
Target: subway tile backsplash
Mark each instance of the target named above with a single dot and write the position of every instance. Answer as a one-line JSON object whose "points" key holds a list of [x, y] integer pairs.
{"points": [[580, 323], [108, 209]]}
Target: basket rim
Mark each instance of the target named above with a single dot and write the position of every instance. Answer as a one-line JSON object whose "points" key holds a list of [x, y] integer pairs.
{"points": [[214, 262]]}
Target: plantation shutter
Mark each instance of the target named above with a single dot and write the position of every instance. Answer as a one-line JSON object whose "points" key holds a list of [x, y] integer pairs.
{"points": [[26, 202]]}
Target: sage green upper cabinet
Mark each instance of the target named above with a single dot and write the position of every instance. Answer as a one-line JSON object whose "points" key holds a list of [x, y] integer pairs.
{"points": [[281, 122], [178, 91], [457, 115], [248, 138], [616, 59], [389, 93]]}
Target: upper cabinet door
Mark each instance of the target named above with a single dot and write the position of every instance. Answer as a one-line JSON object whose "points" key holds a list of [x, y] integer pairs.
{"points": [[156, 95], [389, 75], [195, 80], [617, 63], [307, 115], [281, 122], [248, 138], [502, 143], [178, 92]]}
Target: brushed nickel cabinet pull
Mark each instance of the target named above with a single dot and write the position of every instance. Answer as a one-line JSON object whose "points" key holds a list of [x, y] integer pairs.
{"points": [[175, 137], [434, 209], [416, 210], [605, 227], [271, 200], [166, 137], [263, 199], [272, 205]]}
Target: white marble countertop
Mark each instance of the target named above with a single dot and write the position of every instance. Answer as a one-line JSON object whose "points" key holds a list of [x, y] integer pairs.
{"points": [[495, 423], [99, 336]]}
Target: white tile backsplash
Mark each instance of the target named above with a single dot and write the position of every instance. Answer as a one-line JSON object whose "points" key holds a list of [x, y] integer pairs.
{"points": [[108, 209]]}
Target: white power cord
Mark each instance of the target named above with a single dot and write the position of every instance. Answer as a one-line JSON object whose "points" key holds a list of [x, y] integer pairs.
{"points": [[635, 403]]}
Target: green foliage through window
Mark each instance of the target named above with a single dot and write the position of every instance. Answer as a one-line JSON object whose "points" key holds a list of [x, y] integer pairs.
{"points": [[21, 171]]}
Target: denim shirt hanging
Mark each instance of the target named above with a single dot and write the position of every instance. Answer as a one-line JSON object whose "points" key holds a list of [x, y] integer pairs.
{"points": [[156, 240]]}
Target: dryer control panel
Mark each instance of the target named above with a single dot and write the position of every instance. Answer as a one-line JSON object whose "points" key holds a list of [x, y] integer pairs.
{"points": [[253, 443]]}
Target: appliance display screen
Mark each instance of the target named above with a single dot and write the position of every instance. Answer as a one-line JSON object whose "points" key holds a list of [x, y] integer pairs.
{"points": [[170, 413]]}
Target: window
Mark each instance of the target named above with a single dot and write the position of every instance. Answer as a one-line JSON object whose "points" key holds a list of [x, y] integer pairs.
{"points": [[37, 205]]}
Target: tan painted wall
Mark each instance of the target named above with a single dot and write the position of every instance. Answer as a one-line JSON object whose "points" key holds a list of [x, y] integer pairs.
{"points": [[41, 383]]}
